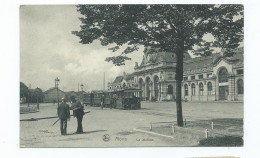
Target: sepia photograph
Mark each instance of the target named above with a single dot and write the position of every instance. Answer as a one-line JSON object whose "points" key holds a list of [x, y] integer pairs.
{"points": [[131, 75]]}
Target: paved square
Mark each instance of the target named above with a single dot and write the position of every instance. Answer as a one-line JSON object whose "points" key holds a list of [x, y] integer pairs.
{"points": [[115, 128]]}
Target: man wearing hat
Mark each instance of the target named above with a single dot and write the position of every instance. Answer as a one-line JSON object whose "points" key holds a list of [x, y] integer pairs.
{"points": [[78, 112], [64, 114]]}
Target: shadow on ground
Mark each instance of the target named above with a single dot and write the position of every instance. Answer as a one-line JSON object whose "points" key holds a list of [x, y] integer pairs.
{"points": [[88, 132], [220, 132], [230, 141]]}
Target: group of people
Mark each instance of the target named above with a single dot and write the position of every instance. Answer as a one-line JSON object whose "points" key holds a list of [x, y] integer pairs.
{"points": [[64, 114]]}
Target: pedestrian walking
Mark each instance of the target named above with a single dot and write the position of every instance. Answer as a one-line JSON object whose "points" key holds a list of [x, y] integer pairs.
{"points": [[38, 106], [78, 112], [63, 111], [102, 101]]}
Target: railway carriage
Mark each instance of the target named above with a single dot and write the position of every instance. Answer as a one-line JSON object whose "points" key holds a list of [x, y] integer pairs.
{"points": [[88, 99], [97, 98], [121, 99]]}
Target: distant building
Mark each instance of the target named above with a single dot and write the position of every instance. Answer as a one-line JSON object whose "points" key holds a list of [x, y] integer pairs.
{"points": [[205, 78], [122, 82], [50, 96], [71, 94]]}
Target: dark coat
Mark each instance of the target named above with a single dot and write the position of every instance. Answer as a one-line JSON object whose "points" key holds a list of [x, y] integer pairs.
{"points": [[78, 109], [63, 111]]}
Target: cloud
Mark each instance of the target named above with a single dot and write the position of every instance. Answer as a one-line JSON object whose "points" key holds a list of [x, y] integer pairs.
{"points": [[49, 50]]}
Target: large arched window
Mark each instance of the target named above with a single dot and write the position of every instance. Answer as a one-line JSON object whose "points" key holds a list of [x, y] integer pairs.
{"points": [[170, 89], [140, 86], [201, 88], [193, 89], [148, 88], [223, 75], [186, 91], [240, 87], [209, 88], [156, 87]]}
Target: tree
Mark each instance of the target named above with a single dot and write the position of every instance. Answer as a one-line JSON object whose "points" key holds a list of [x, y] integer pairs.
{"points": [[23, 90], [171, 28], [38, 95]]}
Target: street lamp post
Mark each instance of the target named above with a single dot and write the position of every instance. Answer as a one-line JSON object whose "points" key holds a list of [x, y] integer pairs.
{"points": [[28, 98], [57, 80], [82, 91]]}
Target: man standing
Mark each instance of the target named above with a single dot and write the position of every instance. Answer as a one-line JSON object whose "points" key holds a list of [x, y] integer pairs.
{"points": [[64, 114], [78, 112], [102, 101]]}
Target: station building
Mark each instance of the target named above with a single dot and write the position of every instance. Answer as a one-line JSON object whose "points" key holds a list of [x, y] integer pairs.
{"points": [[210, 78]]}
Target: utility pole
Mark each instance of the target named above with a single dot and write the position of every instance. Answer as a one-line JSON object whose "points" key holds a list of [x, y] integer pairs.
{"points": [[82, 86], [28, 98], [57, 80], [104, 82]]}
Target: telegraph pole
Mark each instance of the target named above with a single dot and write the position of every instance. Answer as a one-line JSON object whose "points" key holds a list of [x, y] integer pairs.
{"points": [[104, 82], [82, 92], [57, 80]]}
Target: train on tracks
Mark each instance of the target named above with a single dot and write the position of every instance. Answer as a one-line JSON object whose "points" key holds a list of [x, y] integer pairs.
{"points": [[120, 99]]}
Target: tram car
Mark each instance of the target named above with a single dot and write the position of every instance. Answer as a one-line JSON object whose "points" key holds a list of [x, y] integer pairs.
{"points": [[120, 99], [88, 99]]}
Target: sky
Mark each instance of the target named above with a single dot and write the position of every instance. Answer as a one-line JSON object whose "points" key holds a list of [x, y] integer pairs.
{"points": [[49, 50]]}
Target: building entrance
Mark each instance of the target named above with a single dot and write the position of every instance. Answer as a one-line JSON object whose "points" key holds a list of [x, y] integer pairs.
{"points": [[223, 92]]}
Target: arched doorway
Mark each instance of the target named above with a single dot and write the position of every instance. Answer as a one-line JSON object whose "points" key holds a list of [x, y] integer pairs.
{"points": [[170, 89], [170, 92], [186, 90], [209, 88], [201, 88], [148, 88], [140, 86], [156, 87], [240, 87], [223, 83], [193, 89]]}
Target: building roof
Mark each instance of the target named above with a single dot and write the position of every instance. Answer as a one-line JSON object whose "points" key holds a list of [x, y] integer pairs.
{"points": [[71, 92], [200, 63], [129, 77], [205, 64], [154, 56], [118, 79], [51, 89]]}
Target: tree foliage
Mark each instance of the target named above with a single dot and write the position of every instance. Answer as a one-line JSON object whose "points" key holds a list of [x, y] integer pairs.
{"points": [[23, 90], [161, 26], [170, 28], [31, 95]]}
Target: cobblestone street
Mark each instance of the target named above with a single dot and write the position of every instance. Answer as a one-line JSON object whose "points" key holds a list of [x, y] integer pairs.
{"points": [[118, 124]]}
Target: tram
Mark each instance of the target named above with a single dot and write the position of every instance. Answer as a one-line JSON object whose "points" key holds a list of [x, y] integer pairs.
{"points": [[120, 99]]}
